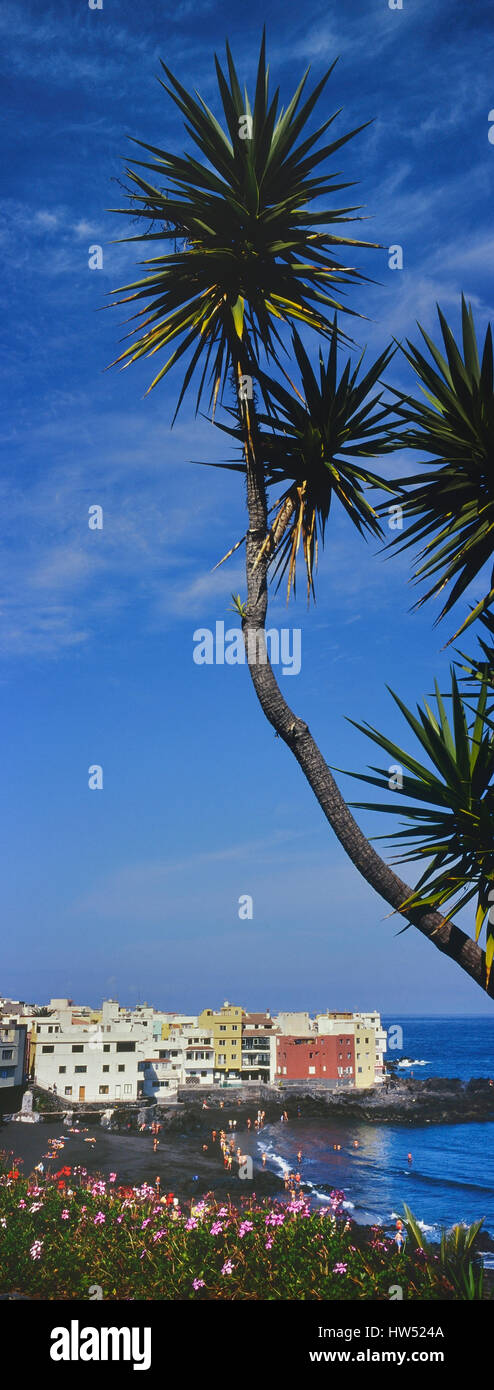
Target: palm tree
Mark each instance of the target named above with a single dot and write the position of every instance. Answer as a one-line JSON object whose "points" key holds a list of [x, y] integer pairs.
{"points": [[258, 257], [451, 505], [450, 821]]}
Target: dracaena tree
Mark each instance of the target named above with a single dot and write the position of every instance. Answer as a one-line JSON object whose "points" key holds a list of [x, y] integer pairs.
{"points": [[258, 259]]}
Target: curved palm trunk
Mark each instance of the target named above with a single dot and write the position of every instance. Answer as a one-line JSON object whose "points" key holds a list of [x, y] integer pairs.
{"points": [[447, 937]]}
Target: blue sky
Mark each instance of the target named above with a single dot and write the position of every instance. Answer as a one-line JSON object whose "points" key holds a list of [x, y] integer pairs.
{"points": [[134, 890]]}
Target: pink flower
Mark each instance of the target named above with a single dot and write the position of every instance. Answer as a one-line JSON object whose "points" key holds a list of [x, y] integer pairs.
{"points": [[246, 1226], [340, 1268], [216, 1228], [191, 1224], [112, 1177], [145, 1223], [35, 1251], [198, 1284], [158, 1235], [21, 1203], [227, 1267], [64, 1215], [99, 1218], [269, 1243]]}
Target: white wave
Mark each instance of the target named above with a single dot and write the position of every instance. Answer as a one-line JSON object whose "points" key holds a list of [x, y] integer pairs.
{"points": [[415, 1062], [281, 1163]]}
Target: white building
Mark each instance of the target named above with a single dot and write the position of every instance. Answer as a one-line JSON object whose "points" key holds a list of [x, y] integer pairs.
{"points": [[85, 1061], [162, 1069], [186, 1057], [13, 1055]]}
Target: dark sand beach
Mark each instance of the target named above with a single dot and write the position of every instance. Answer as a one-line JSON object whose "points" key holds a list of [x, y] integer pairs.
{"points": [[180, 1162]]}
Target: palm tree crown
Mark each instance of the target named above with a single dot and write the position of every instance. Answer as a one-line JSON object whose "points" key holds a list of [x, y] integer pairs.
{"points": [[253, 253]]}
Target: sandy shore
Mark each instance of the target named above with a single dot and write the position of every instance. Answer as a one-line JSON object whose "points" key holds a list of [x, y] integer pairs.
{"points": [[181, 1164]]}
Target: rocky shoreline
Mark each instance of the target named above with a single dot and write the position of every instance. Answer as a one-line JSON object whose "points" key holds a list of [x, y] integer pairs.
{"points": [[399, 1100]]}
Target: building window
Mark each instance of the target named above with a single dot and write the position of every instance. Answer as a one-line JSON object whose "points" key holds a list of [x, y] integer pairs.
{"points": [[127, 1090], [106, 1047], [81, 1069], [126, 1047], [104, 1090], [48, 1047], [68, 1090], [78, 1047], [105, 1069], [121, 1067], [5, 1072], [312, 1071], [359, 1068], [62, 1070], [50, 1029], [7, 1053]]}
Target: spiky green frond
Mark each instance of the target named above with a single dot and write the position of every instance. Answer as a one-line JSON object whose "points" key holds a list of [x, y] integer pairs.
{"points": [[311, 442], [256, 252], [449, 818], [451, 505]]}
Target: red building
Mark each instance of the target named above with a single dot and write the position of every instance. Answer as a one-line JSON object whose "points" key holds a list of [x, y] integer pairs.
{"points": [[323, 1057]]}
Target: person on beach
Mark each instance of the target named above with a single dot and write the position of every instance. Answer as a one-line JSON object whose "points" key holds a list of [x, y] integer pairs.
{"points": [[410, 1160], [299, 1156], [285, 1117], [249, 1122], [263, 1160]]}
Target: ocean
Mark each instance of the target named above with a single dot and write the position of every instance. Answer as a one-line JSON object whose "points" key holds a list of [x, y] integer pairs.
{"points": [[451, 1176]]}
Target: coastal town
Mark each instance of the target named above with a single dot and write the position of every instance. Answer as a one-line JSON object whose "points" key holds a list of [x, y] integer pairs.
{"points": [[120, 1054]]}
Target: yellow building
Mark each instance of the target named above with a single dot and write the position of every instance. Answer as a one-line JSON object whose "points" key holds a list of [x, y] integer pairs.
{"points": [[225, 1025], [365, 1054]]}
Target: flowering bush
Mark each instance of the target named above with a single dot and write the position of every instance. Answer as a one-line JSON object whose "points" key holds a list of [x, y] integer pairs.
{"points": [[136, 1244]]}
